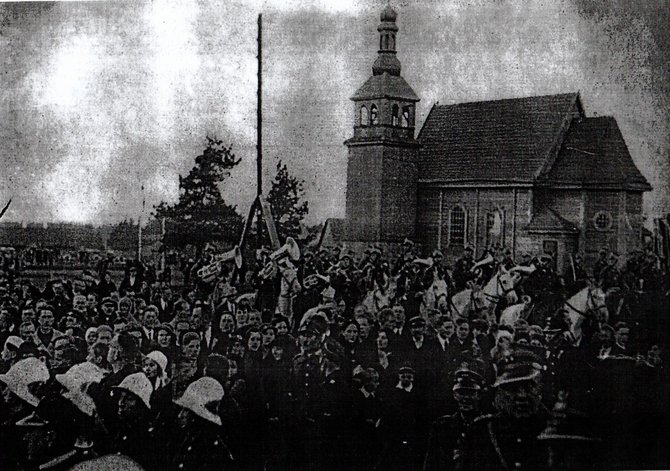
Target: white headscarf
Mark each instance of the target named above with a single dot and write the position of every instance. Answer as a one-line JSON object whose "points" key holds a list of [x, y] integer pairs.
{"points": [[162, 361]]}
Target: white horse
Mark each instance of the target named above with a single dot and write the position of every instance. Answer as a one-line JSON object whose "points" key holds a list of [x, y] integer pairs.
{"points": [[380, 297], [501, 285], [436, 293], [513, 313], [590, 301]]}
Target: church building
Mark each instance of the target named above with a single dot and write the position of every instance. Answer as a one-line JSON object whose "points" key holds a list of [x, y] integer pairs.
{"points": [[532, 174]]}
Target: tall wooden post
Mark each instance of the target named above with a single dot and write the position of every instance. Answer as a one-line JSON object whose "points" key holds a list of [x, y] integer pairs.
{"points": [[259, 129]]}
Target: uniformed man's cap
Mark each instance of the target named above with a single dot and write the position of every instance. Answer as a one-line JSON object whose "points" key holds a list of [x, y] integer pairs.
{"points": [[437, 253], [603, 252], [308, 329], [108, 301], [349, 255], [522, 365], [407, 242], [547, 257], [417, 321], [467, 379], [480, 324], [406, 368], [323, 250]]}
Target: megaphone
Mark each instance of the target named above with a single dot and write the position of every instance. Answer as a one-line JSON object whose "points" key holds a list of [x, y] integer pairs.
{"points": [[208, 272], [290, 249]]}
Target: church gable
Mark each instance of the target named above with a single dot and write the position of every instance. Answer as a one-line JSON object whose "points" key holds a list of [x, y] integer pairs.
{"points": [[505, 141], [594, 155]]}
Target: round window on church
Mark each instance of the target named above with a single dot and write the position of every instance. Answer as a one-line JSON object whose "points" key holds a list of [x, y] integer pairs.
{"points": [[602, 220]]}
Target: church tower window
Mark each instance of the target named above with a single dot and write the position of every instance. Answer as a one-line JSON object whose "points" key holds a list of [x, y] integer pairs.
{"points": [[374, 118], [405, 116], [457, 226], [395, 115], [365, 118]]}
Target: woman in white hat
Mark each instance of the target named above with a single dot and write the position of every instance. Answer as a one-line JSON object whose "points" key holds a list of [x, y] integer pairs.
{"points": [[200, 446], [154, 366]]}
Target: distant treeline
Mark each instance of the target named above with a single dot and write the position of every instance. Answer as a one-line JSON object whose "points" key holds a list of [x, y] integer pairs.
{"points": [[70, 236]]}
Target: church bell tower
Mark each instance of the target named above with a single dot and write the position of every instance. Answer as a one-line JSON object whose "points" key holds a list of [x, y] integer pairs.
{"points": [[382, 164]]}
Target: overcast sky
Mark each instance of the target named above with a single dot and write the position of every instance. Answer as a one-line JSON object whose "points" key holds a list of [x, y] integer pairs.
{"points": [[100, 98]]}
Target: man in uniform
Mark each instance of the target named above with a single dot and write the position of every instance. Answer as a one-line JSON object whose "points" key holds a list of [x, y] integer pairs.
{"points": [[200, 445], [462, 270], [544, 286], [448, 432], [610, 281], [335, 408], [575, 275], [307, 380], [508, 439], [600, 263]]}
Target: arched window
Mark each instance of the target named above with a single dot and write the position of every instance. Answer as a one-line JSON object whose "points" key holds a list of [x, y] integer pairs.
{"points": [[374, 119], [405, 117], [365, 119], [395, 114], [457, 226]]}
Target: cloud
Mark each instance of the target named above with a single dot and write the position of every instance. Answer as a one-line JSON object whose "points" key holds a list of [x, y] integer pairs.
{"points": [[100, 99]]}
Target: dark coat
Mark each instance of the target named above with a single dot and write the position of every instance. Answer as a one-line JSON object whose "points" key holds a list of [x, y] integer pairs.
{"points": [[494, 442], [202, 448]]}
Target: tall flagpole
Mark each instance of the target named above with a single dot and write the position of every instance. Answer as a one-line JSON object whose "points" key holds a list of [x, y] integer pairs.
{"points": [[139, 230], [259, 128]]}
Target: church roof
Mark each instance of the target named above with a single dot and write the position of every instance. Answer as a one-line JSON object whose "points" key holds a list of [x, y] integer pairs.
{"points": [[594, 154], [506, 141], [385, 86], [546, 219]]}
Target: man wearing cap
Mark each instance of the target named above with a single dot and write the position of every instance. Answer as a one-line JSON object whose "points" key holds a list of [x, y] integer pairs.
{"points": [[307, 370], [544, 286], [108, 314], [462, 269], [122, 356], [610, 276], [508, 439], [600, 263], [403, 424], [421, 351], [333, 419], [447, 433]]}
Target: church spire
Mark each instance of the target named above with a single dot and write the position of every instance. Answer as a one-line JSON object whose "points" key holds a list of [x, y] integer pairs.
{"points": [[387, 60]]}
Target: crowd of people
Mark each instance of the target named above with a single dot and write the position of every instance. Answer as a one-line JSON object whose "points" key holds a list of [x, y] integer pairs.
{"points": [[342, 361]]}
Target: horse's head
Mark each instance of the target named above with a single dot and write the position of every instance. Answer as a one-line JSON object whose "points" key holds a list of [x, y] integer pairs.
{"points": [[507, 281], [595, 302]]}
